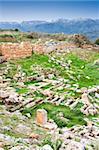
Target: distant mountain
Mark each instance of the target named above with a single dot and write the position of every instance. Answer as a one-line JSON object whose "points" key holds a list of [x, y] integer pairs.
{"points": [[88, 27]]}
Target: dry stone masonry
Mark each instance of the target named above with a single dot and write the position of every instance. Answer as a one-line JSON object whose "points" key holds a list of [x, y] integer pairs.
{"points": [[16, 50]]}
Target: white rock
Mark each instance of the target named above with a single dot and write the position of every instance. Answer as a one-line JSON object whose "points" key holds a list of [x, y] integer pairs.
{"points": [[23, 129], [96, 95], [1, 148], [46, 147], [1, 79], [92, 90], [73, 145], [20, 148], [50, 76], [4, 94]]}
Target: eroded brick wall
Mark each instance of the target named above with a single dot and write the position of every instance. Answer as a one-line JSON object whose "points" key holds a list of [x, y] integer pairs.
{"points": [[16, 50], [24, 49]]}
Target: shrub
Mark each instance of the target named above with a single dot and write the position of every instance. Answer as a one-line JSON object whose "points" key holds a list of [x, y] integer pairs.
{"points": [[16, 30], [97, 42]]}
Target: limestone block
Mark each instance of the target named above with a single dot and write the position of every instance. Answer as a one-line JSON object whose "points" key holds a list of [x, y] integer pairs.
{"points": [[41, 117], [85, 99]]}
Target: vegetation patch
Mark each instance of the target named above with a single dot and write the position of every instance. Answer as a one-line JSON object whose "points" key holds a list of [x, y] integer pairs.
{"points": [[75, 116], [22, 90]]}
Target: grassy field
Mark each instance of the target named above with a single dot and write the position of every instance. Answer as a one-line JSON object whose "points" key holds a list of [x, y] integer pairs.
{"points": [[71, 117], [82, 71]]}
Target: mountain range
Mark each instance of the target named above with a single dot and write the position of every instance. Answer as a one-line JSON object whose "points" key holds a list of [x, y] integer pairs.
{"points": [[88, 27]]}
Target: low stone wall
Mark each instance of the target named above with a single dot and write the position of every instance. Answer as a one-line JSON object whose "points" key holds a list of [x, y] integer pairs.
{"points": [[16, 50], [38, 48], [25, 49], [49, 47]]}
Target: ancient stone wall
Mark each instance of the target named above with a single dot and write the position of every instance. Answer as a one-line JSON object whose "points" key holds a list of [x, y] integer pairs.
{"points": [[38, 48], [24, 49], [45, 48], [16, 50]]}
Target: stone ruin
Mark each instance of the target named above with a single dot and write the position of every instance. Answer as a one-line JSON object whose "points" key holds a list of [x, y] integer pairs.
{"points": [[16, 50], [50, 46], [25, 49]]}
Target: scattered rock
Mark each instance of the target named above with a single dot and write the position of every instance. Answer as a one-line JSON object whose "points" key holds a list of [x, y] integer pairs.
{"points": [[46, 147], [34, 136], [41, 117], [85, 99], [96, 62], [47, 93], [23, 129], [2, 59]]}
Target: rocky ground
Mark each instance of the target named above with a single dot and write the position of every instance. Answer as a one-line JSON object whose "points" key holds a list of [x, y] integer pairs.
{"points": [[66, 86]]}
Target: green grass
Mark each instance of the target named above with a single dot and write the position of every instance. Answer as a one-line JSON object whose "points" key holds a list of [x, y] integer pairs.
{"points": [[38, 94], [89, 74], [36, 59], [82, 71], [31, 82], [85, 74], [47, 86], [74, 116], [22, 90]]}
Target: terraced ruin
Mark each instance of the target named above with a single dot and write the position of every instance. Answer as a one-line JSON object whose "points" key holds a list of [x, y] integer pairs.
{"points": [[66, 85]]}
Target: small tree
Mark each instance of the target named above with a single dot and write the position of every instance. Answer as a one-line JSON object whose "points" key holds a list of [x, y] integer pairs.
{"points": [[97, 42], [16, 30]]}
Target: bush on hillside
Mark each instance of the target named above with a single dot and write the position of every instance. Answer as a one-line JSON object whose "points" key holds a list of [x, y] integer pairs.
{"points": [[97, 42]]}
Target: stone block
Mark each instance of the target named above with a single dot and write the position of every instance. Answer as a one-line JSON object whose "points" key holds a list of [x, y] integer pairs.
{"points": [[85, 99], [41, 117]]}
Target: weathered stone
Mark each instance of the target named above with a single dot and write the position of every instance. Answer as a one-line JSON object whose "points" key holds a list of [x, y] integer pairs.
{"points": [[96, 62], [20, 147], [96, 95], [4, 94], [2, 59], [1, 145], [41, 78], [46, 147], [21, 84], [1, 79], [73, 145], [85, 98], [50, 126], [6, 139], [23, 129], [1, 148], [34, 136], [83, 89], [50, 76], [41, 117], [47, 92], [92, 90]]}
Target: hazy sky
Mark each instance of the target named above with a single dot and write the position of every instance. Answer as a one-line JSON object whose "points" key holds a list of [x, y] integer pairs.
{"points": [[16, 10]]}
